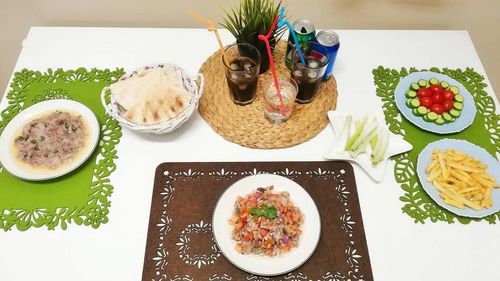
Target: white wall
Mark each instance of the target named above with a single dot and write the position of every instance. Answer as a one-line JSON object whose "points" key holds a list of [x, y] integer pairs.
{"points": [[479, 17]]}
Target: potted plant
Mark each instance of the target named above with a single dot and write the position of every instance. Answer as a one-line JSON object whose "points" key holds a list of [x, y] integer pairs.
{"points": [[251, 18]]}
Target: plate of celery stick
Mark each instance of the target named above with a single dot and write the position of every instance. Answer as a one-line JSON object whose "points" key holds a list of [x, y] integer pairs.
{"points": [[364, 139]]}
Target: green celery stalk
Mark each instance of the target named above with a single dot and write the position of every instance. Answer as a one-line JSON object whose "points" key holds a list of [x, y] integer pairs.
{"points": [[356, 134]]}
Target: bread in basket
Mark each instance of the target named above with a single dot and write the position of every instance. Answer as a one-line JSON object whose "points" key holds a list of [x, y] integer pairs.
{"points": [[154, 99]]}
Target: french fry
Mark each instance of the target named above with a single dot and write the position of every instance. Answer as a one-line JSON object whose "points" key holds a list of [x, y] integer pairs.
{"points": [[469, 190], [453, 203], [457, 158], [460, 153], [462, 167], [434, 175], [442, 165], [481, 181], [487, 177], [436, 168], [457, 182], [431, 166], [462, 176]]}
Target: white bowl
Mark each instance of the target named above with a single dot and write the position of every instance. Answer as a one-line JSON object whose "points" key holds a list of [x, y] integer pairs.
{"points": [[189, 82]]}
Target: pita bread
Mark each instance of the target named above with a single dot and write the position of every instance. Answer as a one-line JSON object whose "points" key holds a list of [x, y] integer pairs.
{"points": [[151, 97]]}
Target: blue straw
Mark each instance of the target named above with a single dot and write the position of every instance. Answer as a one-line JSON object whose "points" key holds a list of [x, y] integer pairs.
{"points": [[282, 22]]}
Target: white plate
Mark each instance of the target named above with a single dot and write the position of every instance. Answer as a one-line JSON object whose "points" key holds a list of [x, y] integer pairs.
{"points": [[424, 159], [397, 145], [259, 264], [463, 121], [24, 171]]}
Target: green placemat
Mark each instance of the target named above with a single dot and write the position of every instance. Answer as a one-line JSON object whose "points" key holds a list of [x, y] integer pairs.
{"points": [[484, 131], [81, 197]]}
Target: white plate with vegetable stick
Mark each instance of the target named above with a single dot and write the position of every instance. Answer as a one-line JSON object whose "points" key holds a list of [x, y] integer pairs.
{"points": [[365, 140], [461, 177]]}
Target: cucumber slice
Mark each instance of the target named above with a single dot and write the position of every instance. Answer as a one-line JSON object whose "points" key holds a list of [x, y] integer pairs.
{"points": [[422, 83], [414, 86], [439, 120], [415, 103], [432, 116], [415, 112], [455, 90], [408, 102], [459, 98], [445, 85], [426, 118], [458, 106], [452, 119], [447, 117], [434, 81], [454, 113], [411, 94], [422, 110]]}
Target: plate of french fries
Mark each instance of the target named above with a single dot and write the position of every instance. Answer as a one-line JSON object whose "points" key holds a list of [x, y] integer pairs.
{"points": [[461, 177]]}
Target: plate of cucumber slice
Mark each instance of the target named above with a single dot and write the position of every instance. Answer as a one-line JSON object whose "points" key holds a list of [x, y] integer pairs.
{"points": [[435, 102]]}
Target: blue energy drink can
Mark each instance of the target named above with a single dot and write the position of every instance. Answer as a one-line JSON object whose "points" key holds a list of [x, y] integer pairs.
{"points": [[330, 40]]}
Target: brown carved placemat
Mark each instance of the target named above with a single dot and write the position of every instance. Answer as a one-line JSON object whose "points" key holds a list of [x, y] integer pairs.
{"points": [[180, 244], [246, 125]]}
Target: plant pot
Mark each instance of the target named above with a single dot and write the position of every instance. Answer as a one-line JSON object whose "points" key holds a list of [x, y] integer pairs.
{"points": [[264, 57]]}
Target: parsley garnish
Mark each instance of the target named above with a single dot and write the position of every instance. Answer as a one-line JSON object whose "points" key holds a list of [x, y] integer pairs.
{"points": [[269, 212]]}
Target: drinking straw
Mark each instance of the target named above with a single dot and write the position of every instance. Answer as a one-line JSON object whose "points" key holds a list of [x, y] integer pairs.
{"points": [[211, 27], [265, 38], [282, 21]]}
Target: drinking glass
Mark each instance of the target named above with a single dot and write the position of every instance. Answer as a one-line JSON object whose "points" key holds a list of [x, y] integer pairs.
{"points": [[242, 72], [309, 76], [288, 89]]}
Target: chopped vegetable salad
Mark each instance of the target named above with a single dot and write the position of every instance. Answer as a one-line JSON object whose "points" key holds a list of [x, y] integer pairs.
{"points": [[266, 222]]}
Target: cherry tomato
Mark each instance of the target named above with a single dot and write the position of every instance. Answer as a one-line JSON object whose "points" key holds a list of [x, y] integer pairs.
{"points": [[436, 88], [426, 101], [448, 105], [424, 92], [437, 108], [448, 95], [437, 98]]}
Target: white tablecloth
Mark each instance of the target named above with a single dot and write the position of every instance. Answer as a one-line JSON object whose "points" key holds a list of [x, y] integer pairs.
{"points": [[399, 248]]}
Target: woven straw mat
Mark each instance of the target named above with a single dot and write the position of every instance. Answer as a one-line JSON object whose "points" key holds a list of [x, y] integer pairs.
{"points": [[247, 125]]}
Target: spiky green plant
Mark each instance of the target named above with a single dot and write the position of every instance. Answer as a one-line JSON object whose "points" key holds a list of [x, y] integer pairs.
{"points": [[251, 18]]}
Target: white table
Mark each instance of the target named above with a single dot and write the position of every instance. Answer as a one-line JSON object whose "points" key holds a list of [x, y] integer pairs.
{"points": [[399, 248]]}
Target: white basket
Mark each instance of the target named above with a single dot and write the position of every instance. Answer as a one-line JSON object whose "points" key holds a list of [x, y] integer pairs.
{"points": [[190, 84]]}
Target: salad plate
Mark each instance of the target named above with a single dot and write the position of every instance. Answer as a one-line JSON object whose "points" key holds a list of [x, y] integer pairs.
{"points": [[8, 153], [395, 144], [424, 159], [459, 124], [256, 263]]}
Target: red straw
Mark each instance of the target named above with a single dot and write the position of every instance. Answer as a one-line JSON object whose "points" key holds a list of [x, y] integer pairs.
{"points": [[271, 62]]}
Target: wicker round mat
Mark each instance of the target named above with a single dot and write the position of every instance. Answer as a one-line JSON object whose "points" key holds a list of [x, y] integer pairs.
{"points": [[247, 125]]}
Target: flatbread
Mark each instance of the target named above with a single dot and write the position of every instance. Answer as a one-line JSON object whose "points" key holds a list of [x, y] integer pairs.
{"points": [[159, 108], [152, 96]]}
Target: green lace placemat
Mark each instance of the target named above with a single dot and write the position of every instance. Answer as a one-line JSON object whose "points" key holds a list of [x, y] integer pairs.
{"points": [[484, 131], [81, 197]]}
